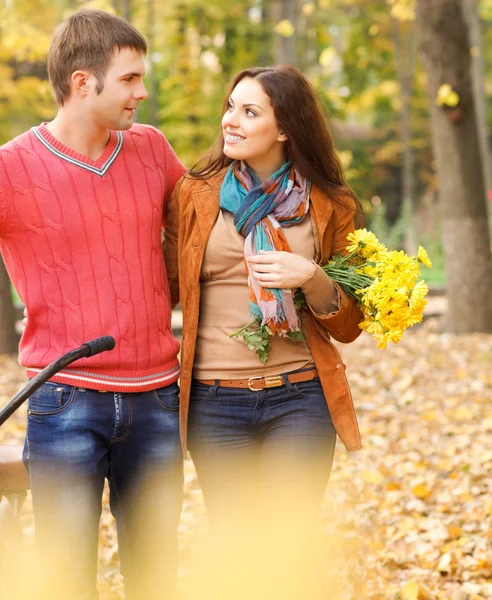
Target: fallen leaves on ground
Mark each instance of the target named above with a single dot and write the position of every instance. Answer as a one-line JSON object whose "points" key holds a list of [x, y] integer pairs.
{"points": [[409, 517]]}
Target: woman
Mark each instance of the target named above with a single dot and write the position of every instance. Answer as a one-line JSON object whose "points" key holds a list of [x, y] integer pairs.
{"points": [[250, 224]]}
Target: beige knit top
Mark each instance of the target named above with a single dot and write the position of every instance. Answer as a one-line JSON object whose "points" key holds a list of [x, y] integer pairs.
{"points": [[224, 307]]}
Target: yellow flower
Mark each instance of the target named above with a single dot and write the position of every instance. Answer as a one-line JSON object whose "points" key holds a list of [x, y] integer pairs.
{"points": [[418, 293], [372, 269], [394, 336], [364, 242], [423, 257]]}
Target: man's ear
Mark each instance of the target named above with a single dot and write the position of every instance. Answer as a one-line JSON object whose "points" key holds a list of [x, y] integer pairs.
{"points": [[79, 80]]}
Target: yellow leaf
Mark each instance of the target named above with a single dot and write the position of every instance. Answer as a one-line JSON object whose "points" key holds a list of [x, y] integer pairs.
{"points": [[464, 413], [372, 476], [410, 591], [285, 28], [444, 565], [446, 96], [421, 491], [393, 486], [454, 531], [308, 8], [326, 57], [403, 10], [373, 30]]}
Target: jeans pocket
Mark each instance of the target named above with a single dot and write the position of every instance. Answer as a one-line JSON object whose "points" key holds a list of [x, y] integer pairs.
{"points": [[168, 397], [305, 389], [201, 392], [51, 398]]}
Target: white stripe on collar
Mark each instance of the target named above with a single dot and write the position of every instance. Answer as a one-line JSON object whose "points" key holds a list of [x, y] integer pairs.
{"points": [[102, 171]]}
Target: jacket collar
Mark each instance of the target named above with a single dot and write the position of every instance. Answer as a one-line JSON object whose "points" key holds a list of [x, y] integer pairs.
{"points": [[322, 209], [207, 206]]}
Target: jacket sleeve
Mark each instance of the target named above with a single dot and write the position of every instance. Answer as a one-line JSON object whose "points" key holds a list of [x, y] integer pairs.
{"points": [[170, 243], [343, 322]]}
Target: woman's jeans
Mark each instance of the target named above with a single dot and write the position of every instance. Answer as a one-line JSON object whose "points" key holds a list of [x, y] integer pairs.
{"points": [[75, 439], [263, 460]]}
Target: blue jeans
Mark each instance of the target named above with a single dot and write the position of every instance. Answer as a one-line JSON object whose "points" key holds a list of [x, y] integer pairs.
{"points": [[75, 439], [263, 460]]}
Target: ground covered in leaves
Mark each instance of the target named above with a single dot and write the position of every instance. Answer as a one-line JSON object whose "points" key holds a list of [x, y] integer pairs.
{"points": [[409, 516]]}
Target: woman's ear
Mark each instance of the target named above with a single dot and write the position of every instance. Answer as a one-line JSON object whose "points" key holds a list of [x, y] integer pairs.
{"points": [[282, 137]]}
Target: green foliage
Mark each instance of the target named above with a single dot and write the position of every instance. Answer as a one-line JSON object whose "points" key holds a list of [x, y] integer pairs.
{"points": [[257, 337]]}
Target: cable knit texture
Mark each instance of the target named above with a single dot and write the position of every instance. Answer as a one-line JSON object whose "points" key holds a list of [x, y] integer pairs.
{"points": [[81, 240]]}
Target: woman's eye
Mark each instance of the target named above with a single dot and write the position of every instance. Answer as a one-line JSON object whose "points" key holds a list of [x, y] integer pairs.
{"points": [[250, 113], [229, 105]]}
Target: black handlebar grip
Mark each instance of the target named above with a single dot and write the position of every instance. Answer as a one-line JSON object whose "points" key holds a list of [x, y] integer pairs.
{"points": [[101, 344]]}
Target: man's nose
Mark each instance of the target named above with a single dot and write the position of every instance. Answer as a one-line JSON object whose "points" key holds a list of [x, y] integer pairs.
{"points": [[141, 92]]}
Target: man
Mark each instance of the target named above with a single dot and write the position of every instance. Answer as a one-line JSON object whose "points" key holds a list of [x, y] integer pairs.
{"points": [[82, 203]]}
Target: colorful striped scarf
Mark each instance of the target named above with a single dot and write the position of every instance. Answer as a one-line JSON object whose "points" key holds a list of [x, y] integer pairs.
{"points": [[260, 211]]}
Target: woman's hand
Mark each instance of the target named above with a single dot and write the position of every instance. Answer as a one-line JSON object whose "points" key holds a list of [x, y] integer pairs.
{"points": [[274, 269]]}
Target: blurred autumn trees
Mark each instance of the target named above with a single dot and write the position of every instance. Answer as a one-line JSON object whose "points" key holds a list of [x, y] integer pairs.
{"points": [[363, 58]]}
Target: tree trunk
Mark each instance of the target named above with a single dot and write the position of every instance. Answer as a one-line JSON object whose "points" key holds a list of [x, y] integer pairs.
{"points": [[265, 54], [311, 50], [127, 10], [445, 53], [8, 336], [470, 13], [403, 35], [285, 47]]}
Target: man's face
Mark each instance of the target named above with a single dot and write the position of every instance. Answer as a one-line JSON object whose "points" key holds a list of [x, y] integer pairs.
{"points": [[123, 89]]}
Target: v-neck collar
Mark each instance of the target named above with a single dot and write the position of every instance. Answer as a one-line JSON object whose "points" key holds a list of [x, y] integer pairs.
{"points": [[99, 167]]}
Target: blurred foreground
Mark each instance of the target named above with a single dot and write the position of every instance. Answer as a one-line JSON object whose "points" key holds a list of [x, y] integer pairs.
{"points": [[408, 517]]}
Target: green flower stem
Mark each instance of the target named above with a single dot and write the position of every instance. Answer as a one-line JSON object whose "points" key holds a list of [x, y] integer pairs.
{"points": [[239, 331]]}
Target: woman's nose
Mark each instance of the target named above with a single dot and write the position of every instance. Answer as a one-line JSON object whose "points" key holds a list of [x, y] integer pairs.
{"points": [[230, 119]]}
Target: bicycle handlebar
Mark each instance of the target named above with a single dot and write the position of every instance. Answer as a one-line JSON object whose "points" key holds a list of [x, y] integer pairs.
{"points": [[101, 344]]}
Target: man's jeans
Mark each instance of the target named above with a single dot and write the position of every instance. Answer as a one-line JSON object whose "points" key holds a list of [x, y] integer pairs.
{"points": [[75, 439], [263, 460]]}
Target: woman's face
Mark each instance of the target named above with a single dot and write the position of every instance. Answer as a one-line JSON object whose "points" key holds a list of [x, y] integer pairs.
{"points": [[250, 129]]}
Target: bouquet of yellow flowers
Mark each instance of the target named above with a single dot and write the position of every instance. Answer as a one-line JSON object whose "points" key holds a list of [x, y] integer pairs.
{"points": [[384, 282], [394, 298]]}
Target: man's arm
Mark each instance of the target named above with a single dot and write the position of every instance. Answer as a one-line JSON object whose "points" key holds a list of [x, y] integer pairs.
{"points": [[170, 244]]}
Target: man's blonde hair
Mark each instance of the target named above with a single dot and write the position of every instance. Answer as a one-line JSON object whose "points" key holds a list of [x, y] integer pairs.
{"points": [[88, 40]]}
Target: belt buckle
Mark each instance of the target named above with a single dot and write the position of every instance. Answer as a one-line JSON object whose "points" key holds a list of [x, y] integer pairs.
{"points": [[250, 381], [275, 381], [270, 382]]}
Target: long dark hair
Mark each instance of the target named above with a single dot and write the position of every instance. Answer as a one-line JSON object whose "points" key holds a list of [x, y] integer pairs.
{"points": [[309, 145]]}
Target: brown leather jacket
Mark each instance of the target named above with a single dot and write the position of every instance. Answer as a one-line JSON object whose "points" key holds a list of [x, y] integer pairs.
{"points": [[191, 214]]}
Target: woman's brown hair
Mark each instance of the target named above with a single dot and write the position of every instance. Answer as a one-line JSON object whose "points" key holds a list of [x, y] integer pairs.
{"points": [[309, 145]]}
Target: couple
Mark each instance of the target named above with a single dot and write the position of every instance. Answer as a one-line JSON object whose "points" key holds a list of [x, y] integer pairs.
{"points": [[83, 200]]}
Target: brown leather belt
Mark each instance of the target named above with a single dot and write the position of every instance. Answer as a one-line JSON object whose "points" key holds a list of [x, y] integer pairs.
{"points": [[260, 383]]}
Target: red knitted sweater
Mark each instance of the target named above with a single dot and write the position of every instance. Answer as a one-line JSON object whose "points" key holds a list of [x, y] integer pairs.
{"points": [[81, 240]]}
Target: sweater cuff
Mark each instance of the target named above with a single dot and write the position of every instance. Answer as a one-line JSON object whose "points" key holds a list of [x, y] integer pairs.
{"points": [[321, 293]]}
